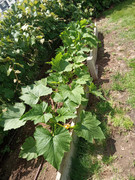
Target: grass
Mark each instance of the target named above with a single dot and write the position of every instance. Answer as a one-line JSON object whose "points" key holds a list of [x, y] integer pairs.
{"points": [[123, 15], [120, 119], [108, 159], [85, 164], [121, 83], [89, 160], [126, 82], [131, 177], [117, 82], [116, 115], [130, 82]]}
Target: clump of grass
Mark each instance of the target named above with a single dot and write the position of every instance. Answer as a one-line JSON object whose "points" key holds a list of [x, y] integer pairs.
{"points": [[120, 119], [118, 82], [108, 159], [132, 63], [126, 82], [131, 177], [106, 92], [129, 82], [85, 164], [103, 108]]}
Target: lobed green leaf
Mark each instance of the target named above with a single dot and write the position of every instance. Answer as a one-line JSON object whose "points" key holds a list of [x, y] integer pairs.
{"points": [[32, 93], [52, 146], [39, 113], [89, 128], [10, 119], [64, 114]]}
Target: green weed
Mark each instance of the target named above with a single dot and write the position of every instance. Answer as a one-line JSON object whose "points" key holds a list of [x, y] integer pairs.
{"points": [[119, 58], [6, 149], [131, 177], [103, 108], [108, 159], [126, 82], [111, 44], [107, 31], [106, 92], [134, 163], [129, 82], [132, 63], [117, 82], [85, 164], [120, 119]]}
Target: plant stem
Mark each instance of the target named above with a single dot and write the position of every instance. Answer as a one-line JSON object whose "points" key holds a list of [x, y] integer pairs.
{"points": [[60, 125]]}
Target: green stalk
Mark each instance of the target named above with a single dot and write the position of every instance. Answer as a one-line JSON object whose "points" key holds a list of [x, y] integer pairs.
{"points": [[60, 125]]}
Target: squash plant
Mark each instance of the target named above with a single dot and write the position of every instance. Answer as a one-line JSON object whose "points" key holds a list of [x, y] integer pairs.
{"points": [[54, 100]]}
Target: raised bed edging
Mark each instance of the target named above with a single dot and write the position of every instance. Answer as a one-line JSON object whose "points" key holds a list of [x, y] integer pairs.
{"points": [[64, 172], [91, 60]]}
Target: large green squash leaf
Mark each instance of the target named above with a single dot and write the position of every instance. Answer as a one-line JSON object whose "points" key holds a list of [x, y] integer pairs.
{"points": [[52, 146], [83, 75], [37, 113], [64, 89], [70, 105], [64, 114], [83, 79], [89, 128], [11, 117], [58, 97], [28, 149], [93, 90], [54, 79], [59, 64], [32, 93], [74, 93]]}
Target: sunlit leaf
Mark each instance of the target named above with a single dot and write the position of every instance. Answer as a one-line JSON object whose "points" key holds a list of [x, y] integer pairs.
{"points": [[11, 117], [64, 114], [89, 128], [38, 113], [52, 145], [32, 93]]}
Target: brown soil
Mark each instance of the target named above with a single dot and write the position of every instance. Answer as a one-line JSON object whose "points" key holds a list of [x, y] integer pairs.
{"points": [[14, 168]]}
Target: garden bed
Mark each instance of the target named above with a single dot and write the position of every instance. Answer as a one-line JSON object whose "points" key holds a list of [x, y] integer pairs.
{"points": [[54, 102]]}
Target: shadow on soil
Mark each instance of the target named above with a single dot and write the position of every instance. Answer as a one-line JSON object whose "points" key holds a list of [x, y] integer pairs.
{"points": [[88, 159], [20, 170], [86, 162], [102, 60], [11, 166]]}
